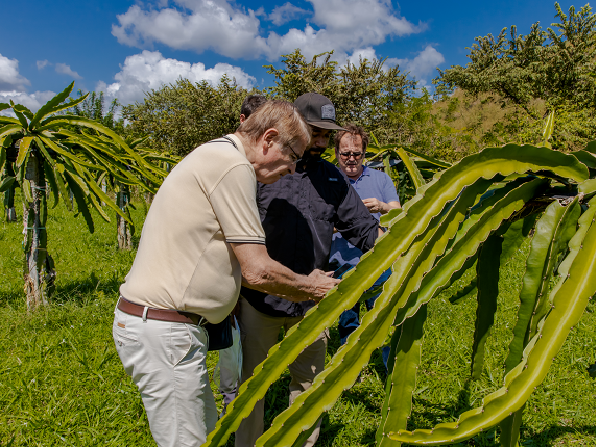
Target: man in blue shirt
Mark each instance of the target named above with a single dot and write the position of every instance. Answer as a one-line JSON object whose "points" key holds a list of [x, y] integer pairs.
{"points": [[378, 194]]}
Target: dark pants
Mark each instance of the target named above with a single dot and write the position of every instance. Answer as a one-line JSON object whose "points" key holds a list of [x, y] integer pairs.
{"points": [[349, 320]]}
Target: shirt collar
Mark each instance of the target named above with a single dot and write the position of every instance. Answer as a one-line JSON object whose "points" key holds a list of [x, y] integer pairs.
{"points": [[364, 173]]}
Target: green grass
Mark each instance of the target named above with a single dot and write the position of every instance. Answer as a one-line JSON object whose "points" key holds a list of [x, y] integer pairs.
{"points": [[61, 382]]}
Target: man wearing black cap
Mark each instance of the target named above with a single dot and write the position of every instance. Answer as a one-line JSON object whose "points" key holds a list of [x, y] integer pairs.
{"points": [[299, 213]]}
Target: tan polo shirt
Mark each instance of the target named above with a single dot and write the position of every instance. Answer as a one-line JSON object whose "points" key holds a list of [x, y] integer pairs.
{"points": [[185, 261]]}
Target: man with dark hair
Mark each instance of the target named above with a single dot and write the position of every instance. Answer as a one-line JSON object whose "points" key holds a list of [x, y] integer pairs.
{"points": [[378, 193], [298, 214], [250, 104]]}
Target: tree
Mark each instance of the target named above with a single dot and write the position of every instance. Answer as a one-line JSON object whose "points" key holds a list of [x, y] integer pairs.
{"points": [[181, 116], [556, 65], [52, 157], [93, 107], [360, 92]]}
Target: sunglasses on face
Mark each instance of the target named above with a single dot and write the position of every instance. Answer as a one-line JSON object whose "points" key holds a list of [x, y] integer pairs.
{"points": [[347, 155]]}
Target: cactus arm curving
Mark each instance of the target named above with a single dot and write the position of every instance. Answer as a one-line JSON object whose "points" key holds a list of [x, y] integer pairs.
{"points": [[403, 377], [488, 290], [565, 230], [408, 272], [532, 281], [568, 306], [406, 227]]}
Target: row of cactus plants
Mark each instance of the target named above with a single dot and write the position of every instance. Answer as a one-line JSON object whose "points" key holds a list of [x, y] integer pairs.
{"points": [[49, 155], [475, 213]]}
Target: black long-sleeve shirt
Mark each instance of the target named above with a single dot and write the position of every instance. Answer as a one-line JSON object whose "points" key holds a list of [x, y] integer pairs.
{"points": [[298, 214]]}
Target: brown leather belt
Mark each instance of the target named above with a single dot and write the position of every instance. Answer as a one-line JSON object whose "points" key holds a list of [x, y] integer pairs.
{"points": [[165, 315]]}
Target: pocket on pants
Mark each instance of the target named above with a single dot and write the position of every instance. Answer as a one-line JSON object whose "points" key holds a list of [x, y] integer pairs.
{"points": [[179, 344]]}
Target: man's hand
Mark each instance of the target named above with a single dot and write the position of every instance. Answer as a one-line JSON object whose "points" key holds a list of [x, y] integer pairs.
{"points": [[375, 206], [322, 283]]}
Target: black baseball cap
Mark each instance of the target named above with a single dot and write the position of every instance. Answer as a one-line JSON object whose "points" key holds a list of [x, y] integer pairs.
{"points": [[318, 111]]}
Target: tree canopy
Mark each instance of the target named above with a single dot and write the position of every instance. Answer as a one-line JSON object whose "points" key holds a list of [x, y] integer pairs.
{"points": [[181, 116], [556, 64]]}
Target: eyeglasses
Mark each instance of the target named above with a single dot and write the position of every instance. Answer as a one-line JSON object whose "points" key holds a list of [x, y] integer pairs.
{"points": [[297, 158], [347, 155]]}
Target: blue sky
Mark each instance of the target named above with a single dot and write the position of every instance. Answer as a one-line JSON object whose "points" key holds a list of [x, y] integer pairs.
{"points": [[125, 48]]}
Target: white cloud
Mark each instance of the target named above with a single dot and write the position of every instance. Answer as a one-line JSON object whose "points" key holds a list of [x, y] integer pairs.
{"points": [[65, 69], [150, 70], [33, 101], [422, 65], [42, 64], [286, 13], [217, 25], [10, 78]]}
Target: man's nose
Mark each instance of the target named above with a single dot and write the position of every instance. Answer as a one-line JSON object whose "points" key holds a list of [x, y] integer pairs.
{"points": [[320, 142]]}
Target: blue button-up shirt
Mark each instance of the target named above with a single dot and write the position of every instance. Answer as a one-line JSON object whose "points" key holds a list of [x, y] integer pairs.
{"points": [[371, 184]]}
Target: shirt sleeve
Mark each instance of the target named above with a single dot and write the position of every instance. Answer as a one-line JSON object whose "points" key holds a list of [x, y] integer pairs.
{"points": [[355, 223], [234, 201], [389, 191]]}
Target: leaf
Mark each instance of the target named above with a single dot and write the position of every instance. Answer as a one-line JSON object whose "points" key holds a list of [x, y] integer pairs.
{"points": [[403, 376], [51, 180], [548, 129], [487, 269], [2, 159], [48, 108], [22, 109], [568, 306], [60, 182], [417, 178], [415, 289], [24, 149], [80, 196], [586, 158], [535, 279], [6, 183], [432, 160], [21, 117], [48, 158], [405, 229]]}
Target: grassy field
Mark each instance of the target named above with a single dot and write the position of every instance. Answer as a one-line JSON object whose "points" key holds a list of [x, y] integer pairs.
{"points": [[61, 382]]}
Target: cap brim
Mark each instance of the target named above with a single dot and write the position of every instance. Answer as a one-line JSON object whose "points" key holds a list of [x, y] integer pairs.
{"points": [[326, 125]]}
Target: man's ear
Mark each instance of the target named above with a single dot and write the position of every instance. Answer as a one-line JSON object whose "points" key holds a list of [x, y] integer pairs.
{"points": [[269, 136], [242, 118]]}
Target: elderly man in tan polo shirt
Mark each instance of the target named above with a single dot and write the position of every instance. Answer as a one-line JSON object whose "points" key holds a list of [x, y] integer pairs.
{"points": [[201, 239]]}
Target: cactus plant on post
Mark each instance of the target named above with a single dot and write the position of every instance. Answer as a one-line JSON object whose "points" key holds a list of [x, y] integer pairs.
{"points": [[52, 158]]}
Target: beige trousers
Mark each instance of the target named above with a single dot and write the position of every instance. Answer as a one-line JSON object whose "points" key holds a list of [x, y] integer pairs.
{"points": [[168, 363], [259, 332]]}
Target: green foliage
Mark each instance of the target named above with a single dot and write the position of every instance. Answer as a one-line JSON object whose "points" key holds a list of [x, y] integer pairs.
{"points": [[358, 90], [527, 76], [427, 243], [556, 65], [181, 116], [69, 404], [64, 153], [93, 107]]}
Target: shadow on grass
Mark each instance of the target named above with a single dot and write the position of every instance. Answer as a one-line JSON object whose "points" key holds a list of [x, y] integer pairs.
{"points": [[550, 434], [77, 292]]}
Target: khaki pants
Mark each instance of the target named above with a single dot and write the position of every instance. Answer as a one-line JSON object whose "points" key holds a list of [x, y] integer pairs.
{"points": [[259, 332], [168, 363]]}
